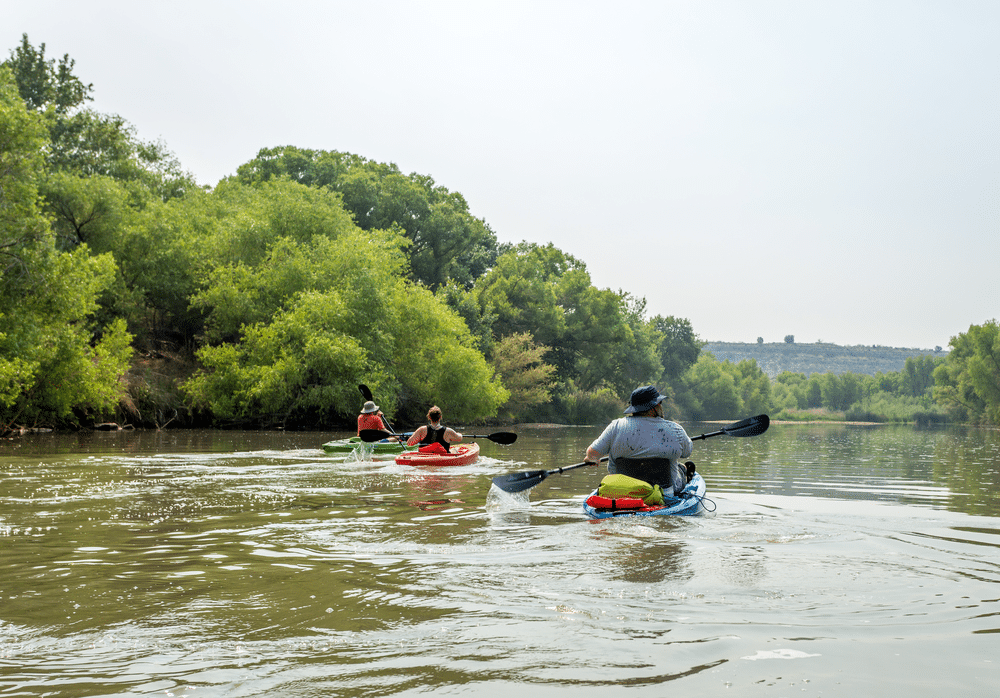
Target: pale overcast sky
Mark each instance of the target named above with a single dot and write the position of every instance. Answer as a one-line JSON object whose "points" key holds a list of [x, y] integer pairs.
{"points": [[826, 169]]}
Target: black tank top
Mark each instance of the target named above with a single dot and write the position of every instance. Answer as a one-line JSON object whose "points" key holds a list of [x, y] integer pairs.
{"points": [[435, 436]]}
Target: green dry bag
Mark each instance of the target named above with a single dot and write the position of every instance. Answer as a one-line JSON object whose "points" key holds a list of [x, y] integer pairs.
{"points": [[619, 486]]}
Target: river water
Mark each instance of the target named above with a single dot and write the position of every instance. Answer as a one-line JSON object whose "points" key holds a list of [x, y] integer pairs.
{"points": [[837, 561]]}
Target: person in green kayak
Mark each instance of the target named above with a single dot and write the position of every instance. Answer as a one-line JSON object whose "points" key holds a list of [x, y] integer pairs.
{"points": [[371, 418], [434, 433], [644, 444]]}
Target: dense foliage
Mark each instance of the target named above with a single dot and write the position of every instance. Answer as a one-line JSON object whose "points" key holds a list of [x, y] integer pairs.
{"points": [[130, 293], [968, 382], [55, 364], [446, 242]]}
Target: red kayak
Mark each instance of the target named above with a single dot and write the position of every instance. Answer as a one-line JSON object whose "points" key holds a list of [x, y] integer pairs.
{"points": [[462, 454]]}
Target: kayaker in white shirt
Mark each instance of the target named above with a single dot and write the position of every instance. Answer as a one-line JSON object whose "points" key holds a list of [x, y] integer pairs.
{"points": [[644, 444]]}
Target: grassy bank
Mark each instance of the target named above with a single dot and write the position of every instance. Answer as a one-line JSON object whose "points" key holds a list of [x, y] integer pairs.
{"points": [[866, 415]]}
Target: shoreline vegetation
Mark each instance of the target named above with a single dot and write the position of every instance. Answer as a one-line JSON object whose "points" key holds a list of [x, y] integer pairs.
{"points": [[132, 295]]}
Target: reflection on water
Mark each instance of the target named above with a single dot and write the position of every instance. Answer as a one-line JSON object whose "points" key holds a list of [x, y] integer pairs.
{"points": [[207, 563]]}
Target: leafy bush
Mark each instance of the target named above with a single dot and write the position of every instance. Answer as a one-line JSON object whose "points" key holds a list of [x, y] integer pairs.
{"points": [[884, 407]]}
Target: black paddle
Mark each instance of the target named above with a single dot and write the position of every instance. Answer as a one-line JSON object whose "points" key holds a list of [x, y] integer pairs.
{"points": [[500, 437], [751, 426], [518, 482], [368, 397], [504, 438]]}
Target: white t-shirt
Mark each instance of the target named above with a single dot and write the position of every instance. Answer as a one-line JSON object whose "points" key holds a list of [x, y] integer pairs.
{"points": [[643, 437]]}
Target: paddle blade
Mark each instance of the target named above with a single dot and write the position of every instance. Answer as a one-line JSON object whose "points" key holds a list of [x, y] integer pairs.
{"points": [[751, 426], [366, 392], [518, 482], [504, 438], [372, 435]]}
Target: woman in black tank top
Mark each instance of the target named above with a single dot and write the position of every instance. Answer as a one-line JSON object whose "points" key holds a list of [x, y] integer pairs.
{"points": [[435, 432]]}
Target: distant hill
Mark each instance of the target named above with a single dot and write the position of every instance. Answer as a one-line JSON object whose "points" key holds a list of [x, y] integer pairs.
{"points": [[817, 358]]}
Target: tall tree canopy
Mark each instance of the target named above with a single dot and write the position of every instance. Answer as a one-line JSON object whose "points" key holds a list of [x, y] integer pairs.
{"points": [[86, 142], [54, 361], [313, 318], [595, 336], [447, 241], [44, 84], [969, 379], [679, 345]]}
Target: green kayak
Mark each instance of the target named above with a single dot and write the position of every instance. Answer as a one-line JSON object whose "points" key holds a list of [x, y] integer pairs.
{"points": [[355, 442]]}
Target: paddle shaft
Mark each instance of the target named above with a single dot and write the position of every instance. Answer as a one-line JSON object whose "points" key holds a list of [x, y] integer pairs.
{"points": [[500, 437], [710, 434], [573, 467]]}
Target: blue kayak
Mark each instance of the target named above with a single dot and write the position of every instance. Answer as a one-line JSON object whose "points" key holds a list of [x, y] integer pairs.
{"points": [[688, 503]]}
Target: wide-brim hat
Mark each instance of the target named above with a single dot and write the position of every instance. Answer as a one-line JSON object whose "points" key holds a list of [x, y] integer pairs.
{"points": [[645, 398], [369, 408]]}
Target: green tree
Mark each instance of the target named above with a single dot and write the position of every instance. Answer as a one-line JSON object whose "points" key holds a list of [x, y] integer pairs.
{"points": [[44, 84], [597, 337], [295, 324], [22, 140], [89, 143], [710, 390], [300, 366], [84, 141], [832, 389], [790, 390], [301, 310], [814, 392], [435, 361], [883, 382], [447, 242], [917, 378], [521, 292], [637, 359], [679, 346], [463, 301], [23, 233], [754, 387], [361, 269], [783, 397], [519, 363], [968, 382], [78, 367], [88, 209], [56, 366]]}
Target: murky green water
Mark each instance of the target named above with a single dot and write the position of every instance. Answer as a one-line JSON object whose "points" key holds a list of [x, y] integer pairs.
{"points": [[839, 561]]}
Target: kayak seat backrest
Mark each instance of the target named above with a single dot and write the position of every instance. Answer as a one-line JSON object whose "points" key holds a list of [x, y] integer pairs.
{"points": [[669, 476]]}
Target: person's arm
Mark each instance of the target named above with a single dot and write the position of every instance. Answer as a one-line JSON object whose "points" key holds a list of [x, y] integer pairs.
{"points": [[601, 445], [452, 436], [686, 444], [417, 435]]}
